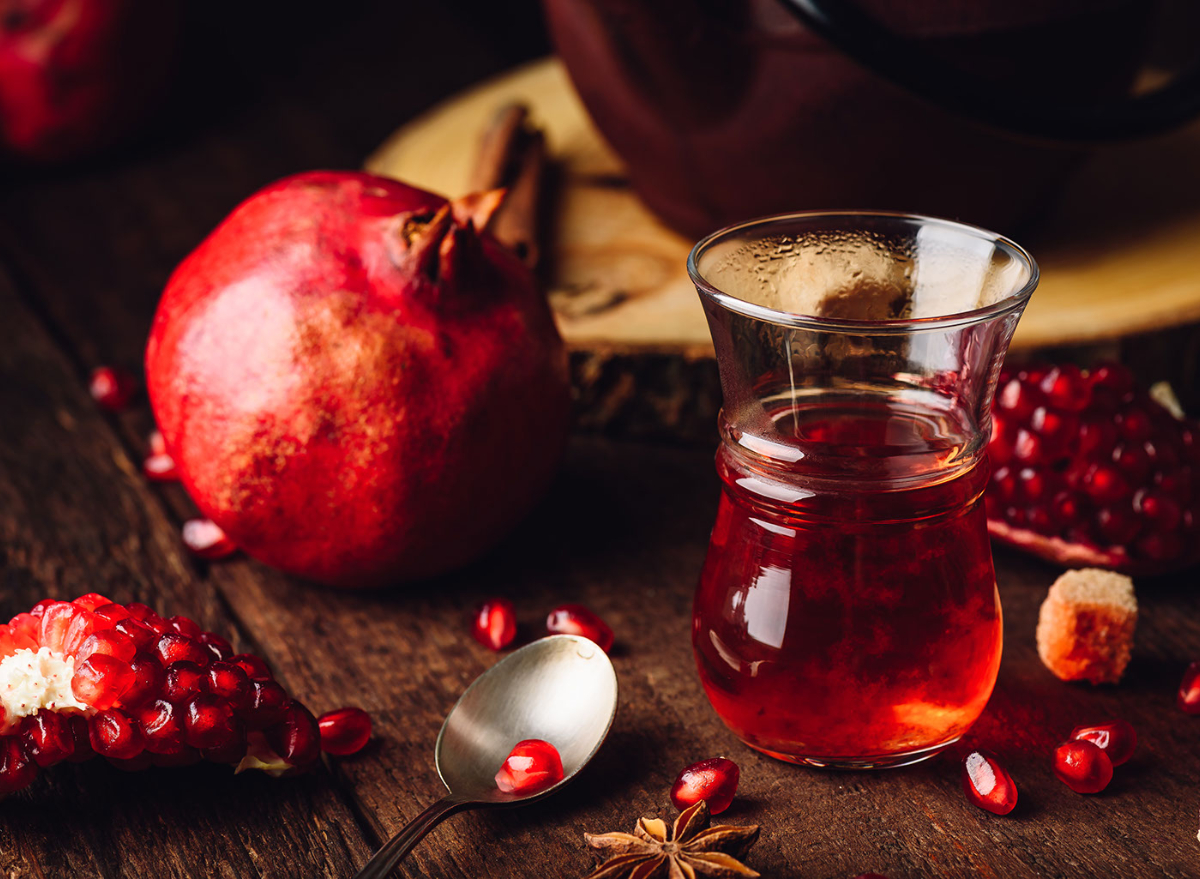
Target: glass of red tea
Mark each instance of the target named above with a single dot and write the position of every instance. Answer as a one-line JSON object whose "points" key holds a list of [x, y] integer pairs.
{"points": [[847, 614]]}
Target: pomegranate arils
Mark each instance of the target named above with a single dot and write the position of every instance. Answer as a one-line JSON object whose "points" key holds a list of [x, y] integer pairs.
{"points": [[209, 723], [268, 705], [173, 647], [1188, 699], [1116, 738], [17, 770], [83, 740], [184, 680], [229, 682], [114, 734], [987, 783], [49, 738], [110, 614], [92, 601], [109, 642], [494, 623], [217, 646], [1089, 471], [1082, 766], [184, 626], [575, 619], [205, 540], [143, 636], [149, 679], [344, 731], [296, 738], [111, 387], [532, 765], [101, 680], [252, 665], [162, 726], [715, 781]]}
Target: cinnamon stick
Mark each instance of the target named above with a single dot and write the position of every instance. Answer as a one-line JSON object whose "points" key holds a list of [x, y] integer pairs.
{"points": [[512, 155]]}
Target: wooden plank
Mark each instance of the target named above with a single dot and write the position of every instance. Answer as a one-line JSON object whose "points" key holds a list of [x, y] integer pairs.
{"points": [[76, 516]]}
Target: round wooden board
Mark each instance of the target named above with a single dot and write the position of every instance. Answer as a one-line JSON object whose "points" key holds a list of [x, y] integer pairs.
{"points": [[1119, 252]]}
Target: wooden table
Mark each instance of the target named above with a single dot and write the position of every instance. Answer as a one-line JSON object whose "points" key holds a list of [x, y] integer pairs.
{"points": [[83, 255]]}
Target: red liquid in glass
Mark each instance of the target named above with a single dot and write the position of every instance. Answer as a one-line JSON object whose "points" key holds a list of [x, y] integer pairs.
{"points": [[847, 613]]}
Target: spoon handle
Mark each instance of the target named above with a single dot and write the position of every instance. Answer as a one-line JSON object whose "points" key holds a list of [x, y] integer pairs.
{"points": [[394, 850]]}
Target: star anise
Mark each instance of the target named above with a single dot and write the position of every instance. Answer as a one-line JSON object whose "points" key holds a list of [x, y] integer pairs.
{"points": [[691, 849]]}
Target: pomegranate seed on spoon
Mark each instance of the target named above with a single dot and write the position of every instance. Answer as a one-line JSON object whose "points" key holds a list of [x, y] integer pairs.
{"points": [[715, 781], [494, 623], [575, 619], [1116, 738], [1082, 767], [531, 765], [344, 731], [987, 783]]}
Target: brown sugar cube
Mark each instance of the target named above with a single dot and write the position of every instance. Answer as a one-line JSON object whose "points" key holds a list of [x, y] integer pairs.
{"points": [[1085, 628]]}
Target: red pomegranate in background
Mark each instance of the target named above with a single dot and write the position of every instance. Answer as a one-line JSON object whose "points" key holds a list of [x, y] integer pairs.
{"points": [[76, 75], [356, 385]]}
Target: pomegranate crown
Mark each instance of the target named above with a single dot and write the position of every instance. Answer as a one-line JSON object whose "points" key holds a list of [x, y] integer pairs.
{"points": [[443, 247]]}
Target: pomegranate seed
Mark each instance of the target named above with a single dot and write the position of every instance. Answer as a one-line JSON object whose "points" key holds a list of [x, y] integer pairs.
{"points": [[494, 624], [1066, 389], [1114, 377], [48, 738], [1116, 525], [268, 705], [253, 666], [160, 468], [987, 783], [56, 620], [1135, 425], [1005, 483], [173, 647], [1096, 433], [1116, 738], [1189, 690], [185, 627], [1132, 461], [1082, 767], [110, 642], [158, 445], [715, 781], [296, 738], [209, 723], [229, 682], [143, 636], [1104, 484], [1158, 509], [205, 540], [101, 680], [162, 727], [27, 627], [149, 679], [1017, 399], [1158, 547], [1028, 447], [184, 681], [83, 739], [39, 609], [114, 734], [575, 619], [108, 615], [217, 646], [344, 731], [91, 601], [112, 388], [17, 771], [531, 766]]}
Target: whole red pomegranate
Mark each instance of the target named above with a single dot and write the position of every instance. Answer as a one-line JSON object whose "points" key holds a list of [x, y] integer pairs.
{"points": [[354, 384], [77, 74]]}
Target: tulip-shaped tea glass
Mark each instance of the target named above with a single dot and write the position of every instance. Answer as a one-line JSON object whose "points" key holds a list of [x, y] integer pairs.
{"points": [[847, 614]]}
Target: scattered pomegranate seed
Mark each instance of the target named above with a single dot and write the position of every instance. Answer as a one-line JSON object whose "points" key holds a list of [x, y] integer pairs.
{"points": [[715, 781], [531, 766], [111, 387], [987, 783], [344, 731], [494, 623], [575, 619], [205, 540], [1189, 690], [1082, 767], [1090, 471], [160, 468], [1116, 738]]}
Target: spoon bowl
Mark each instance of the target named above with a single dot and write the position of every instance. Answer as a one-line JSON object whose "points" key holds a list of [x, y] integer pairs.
{"points": [[561, 689]]}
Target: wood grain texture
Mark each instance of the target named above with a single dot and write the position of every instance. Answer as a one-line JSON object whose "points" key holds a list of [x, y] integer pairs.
{"points": [[624, 530]]}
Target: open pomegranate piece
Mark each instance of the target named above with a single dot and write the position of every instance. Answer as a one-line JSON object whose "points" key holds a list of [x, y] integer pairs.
{"points": [[89, 676], [1090, 471]]}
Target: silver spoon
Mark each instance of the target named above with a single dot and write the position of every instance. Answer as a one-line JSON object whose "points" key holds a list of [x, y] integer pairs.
{"points": [[561, 689]]}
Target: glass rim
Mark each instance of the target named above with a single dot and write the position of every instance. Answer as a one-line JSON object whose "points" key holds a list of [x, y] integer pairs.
{"points": [[797, 320]]}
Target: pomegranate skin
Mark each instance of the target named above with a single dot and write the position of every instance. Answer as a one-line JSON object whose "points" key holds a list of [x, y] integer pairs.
{"points": [[77, 75], [354, 393]]}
